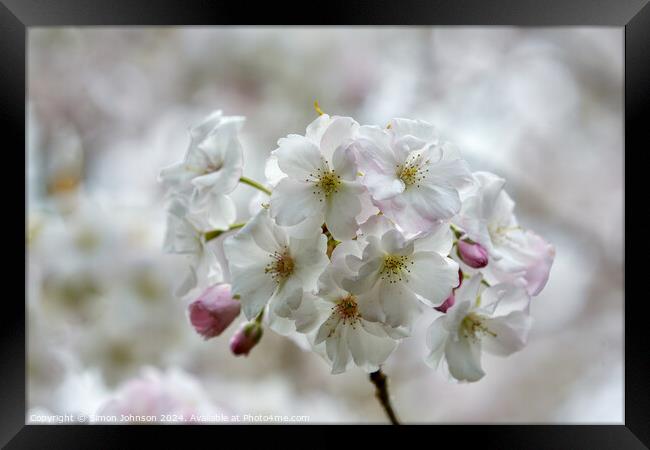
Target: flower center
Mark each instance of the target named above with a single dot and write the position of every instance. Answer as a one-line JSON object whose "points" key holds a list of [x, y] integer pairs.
{"points": [[394, 267], [413, 171], [347, 309], [281, 265], [473, 327], [325, 181], [212, 167]]}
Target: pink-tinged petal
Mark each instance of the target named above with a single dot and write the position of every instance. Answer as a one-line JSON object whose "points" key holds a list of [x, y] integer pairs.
{"points": [[539, 268], [448, 303]]}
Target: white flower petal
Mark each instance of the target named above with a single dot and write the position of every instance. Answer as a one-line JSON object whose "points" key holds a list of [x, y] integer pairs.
{"points": [[327, 328], [342, 352], [510, 333], [339, 130], [399, 304], [272, 170], [440, 240], [294, 201], [343, 164], [464, 359], [341, 212], [433, 276], [298, 157], [254, 287], [417, 128], [437, 336]]}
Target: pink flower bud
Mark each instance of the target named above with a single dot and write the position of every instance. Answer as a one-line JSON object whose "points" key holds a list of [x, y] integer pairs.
{"points": [[214, 311], [246, 338], [472, 254], [448, 303]]}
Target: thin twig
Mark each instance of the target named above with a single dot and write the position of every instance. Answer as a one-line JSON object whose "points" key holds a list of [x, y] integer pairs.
{"points": [[381, 383]]}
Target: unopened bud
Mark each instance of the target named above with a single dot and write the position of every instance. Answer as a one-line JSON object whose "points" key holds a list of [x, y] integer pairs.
{"points": [[473, 254], [246, 338], [214, 311]]}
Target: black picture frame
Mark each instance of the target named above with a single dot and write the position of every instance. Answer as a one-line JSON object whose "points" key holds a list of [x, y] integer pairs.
{"points": [[17, 15]]}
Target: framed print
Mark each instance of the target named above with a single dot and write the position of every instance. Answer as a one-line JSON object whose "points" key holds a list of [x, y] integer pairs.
{"points": [[406, 213]]}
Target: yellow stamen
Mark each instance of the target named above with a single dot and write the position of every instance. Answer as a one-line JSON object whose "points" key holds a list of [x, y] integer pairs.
{"points": [[317, 108], [394, 268], [281, 266], [473, 327]]}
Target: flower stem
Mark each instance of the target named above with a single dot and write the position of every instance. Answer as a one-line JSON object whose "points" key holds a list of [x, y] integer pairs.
{"points": [[212, 234], [380, 380], [254, 184]]}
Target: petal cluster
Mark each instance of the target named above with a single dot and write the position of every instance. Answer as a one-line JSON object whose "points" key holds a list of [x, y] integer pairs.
{"points": [[357, 232]]}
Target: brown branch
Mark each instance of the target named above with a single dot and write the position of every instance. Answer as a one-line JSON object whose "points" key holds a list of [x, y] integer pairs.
{"points": [[381, 383]]}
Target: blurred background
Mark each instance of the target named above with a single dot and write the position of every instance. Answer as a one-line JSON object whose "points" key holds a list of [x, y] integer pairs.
{"points": [[109, 107]]}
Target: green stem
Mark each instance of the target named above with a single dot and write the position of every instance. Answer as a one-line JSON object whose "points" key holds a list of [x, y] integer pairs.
{"points": [[254, 184], [212, 234], [260, 316]]}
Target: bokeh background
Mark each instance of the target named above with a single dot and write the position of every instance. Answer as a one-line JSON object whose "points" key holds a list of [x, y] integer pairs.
{"points": [[108, 107]]}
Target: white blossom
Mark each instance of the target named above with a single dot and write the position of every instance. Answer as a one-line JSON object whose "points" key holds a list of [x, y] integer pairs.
{"points": [[321, 184], [344, 327], [401, 271], [185, 235], [495, 320], [268, 266], [412, 179], [211, 168], [515, 255]]}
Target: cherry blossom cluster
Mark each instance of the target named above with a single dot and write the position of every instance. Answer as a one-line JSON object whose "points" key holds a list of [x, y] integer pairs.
{"points": [[361, 229]]}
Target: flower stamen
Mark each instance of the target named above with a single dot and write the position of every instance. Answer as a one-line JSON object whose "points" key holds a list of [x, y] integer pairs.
{"points": [[326, 182], [473, 327], [281, 265], [348, 310], [395, 268], [413, 171]]}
